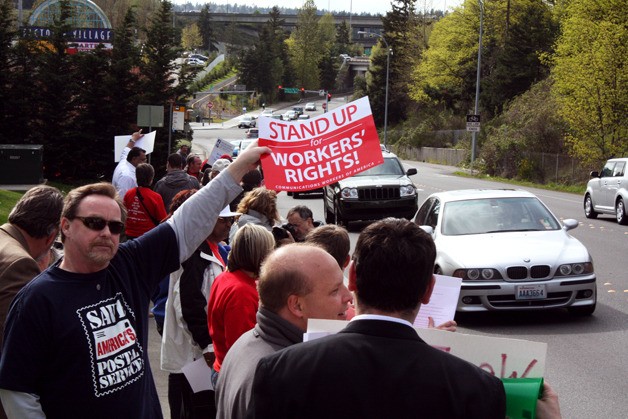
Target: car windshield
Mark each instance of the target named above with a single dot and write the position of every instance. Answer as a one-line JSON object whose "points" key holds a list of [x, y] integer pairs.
{"points": [[389, 167], [496, 215], [244, 144]]}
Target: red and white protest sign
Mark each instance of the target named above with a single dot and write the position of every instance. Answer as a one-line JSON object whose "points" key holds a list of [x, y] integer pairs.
{"points": [[309, 154]]}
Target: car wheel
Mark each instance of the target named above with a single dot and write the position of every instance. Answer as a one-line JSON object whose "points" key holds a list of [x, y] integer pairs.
{"points": [[337, 217], [620, 212], [581, 310], [589, 212]]}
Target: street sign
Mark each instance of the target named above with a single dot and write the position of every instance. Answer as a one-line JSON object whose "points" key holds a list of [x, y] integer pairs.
{"points": [[293, 90], [473, 123], [210, 105], [150, 116]]}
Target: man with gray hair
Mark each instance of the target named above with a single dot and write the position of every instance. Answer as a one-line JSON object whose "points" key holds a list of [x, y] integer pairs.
{"points": [[32, 228], [27, 237]]}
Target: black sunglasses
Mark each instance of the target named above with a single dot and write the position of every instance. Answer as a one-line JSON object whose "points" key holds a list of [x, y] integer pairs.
{"points": [[98, 224], [227, 219]]}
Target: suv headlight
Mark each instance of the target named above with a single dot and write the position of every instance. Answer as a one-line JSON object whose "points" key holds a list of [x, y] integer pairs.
{"points": [[575, 269], [407, 190], [349, 193]]}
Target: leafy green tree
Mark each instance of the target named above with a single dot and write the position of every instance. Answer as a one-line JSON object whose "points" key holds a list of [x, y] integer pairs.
{"points": [[529, 123], [191, 37], [591, 78], [205, 27], [305, 47]]}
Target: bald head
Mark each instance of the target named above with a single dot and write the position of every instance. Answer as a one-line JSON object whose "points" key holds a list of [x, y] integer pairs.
{"points": [[301, 281]]}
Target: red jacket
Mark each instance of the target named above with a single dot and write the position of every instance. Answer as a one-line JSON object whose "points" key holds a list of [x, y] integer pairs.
{"points": [[231, 310], [138, 221]]}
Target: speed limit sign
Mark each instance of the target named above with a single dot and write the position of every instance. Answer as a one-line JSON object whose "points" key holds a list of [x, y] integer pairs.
{"points": [[210, 105]]}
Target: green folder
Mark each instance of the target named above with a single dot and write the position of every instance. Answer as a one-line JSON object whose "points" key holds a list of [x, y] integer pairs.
{"points": [[521, 396]]}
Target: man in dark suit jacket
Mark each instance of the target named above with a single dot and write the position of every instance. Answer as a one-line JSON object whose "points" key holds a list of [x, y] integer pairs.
{"points": [[378, 366]]}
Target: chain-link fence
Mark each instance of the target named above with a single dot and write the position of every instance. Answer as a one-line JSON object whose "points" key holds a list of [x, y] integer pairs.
{"points": [[530, 166]]}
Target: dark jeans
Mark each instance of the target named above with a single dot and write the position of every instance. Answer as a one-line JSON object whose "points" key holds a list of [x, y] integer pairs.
{"points": [[185, 404]]}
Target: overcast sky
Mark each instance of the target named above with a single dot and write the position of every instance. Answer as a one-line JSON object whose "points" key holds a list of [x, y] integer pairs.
{"points": [[356, 6]]}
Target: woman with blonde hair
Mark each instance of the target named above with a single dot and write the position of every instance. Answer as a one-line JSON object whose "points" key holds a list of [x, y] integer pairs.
{"points": [[233, 299]]}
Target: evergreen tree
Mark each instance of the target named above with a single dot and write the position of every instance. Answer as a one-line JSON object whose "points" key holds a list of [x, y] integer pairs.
{"points": [[55, 99], [205, 27], [401, 32], [163, 80], [9, 72], [514, 65]]}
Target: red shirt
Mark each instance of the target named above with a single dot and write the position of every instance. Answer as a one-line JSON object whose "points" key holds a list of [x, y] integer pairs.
{"points": [[138, 222], [231, 310]]}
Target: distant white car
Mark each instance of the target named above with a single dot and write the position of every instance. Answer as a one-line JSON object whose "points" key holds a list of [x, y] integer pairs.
{"points": [[200, 57], [289, 116], [195, 62], [310, 106], [247, 121], [267, 112]]}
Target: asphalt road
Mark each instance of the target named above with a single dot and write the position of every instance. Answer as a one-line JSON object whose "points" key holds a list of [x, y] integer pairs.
{"points": [[586, 360]]}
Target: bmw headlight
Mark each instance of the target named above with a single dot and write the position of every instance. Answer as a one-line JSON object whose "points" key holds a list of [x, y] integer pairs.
{"points": [[575, 269], [349, 193], [477, 274], [407, 190]]}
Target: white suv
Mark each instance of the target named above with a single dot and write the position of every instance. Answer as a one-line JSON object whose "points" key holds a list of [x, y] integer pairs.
{"points": [[607, 191]]}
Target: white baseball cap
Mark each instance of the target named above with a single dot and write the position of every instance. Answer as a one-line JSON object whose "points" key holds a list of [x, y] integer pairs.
{"points": [[220, 165], [226, 212]]}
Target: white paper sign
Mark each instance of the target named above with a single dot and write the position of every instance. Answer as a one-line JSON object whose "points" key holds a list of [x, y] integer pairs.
{"points": [[147, 142], [220, 148], [199, 375], [443, 302], [178, 120], [502, 357]]}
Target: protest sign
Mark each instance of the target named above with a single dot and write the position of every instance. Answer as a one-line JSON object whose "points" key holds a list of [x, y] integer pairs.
{"points": [[147, 143], [309, 154], [221, 148], [501, 357]]}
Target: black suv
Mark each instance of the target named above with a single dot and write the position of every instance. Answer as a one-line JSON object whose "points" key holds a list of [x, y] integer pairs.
{"points": [[379, 192], [298, 110]]}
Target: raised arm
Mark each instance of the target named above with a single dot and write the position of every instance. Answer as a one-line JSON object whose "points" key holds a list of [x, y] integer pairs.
{"points": [[195, 219]]}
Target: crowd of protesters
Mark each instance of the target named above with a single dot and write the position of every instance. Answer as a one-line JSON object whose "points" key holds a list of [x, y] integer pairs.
{"points": [[231, 286]]}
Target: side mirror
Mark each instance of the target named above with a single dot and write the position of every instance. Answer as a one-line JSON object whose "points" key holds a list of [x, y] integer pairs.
{"points": [[428, 229], [411, 172], [570, 224], [594, 174]]}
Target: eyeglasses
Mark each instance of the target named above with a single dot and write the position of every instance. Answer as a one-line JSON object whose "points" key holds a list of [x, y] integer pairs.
{"points": [[229, 220], [99, 224]]}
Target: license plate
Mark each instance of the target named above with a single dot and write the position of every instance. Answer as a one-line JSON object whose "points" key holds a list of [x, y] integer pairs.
{"points": [[531, 292]]}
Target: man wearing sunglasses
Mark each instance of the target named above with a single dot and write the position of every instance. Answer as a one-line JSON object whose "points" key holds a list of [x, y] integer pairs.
{"points": [[76, 336]]}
